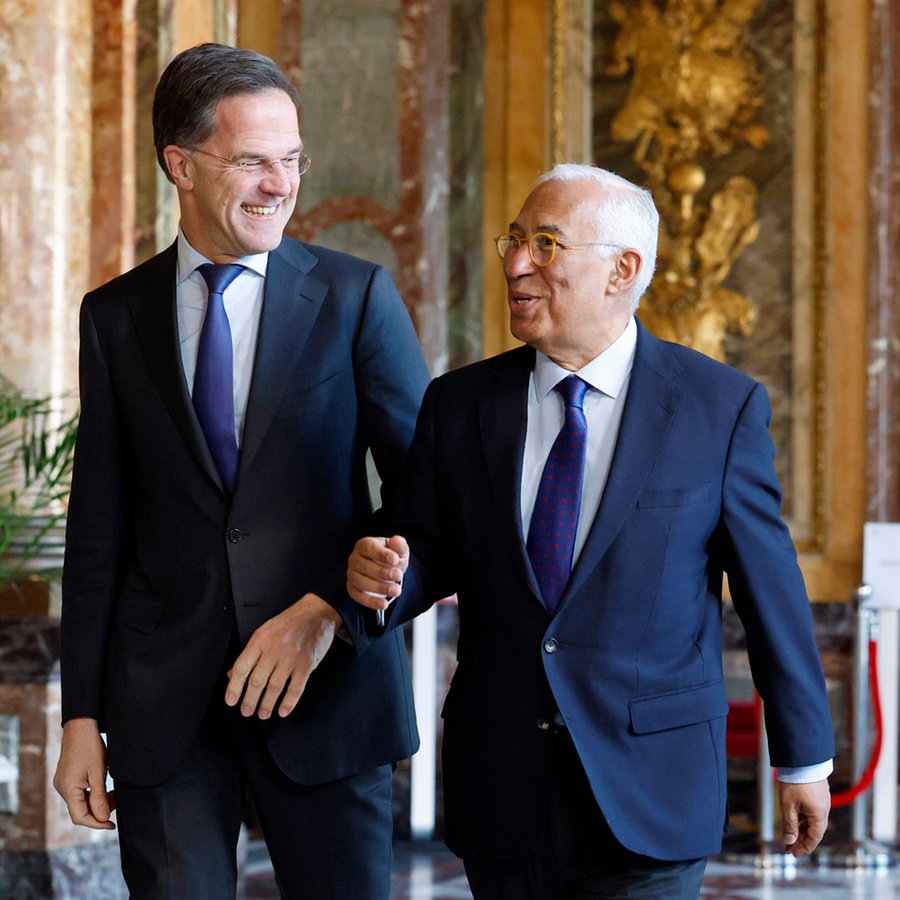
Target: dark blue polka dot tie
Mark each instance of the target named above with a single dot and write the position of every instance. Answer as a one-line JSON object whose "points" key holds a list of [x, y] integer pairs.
{"points": [[551, 535], [213, 394]]}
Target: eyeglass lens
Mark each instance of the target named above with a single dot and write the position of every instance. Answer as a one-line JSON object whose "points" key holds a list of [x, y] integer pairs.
{"points": [[541, 247]]}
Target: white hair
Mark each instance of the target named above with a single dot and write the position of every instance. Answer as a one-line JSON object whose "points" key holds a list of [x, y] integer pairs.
{"points": [[626, 215]]}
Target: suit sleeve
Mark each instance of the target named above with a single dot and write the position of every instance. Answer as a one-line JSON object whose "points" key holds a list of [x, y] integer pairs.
{"points": [[414, 512], [391, 377], [770, 597], [94, 530]]}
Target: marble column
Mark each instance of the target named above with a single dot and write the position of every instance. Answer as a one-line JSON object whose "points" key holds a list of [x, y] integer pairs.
{"points": [[45, 178], [114, 137], [375, 76]]}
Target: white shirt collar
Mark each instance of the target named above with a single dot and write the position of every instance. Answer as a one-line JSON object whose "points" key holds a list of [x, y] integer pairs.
{"points": [[189, 259], [607, 372]]}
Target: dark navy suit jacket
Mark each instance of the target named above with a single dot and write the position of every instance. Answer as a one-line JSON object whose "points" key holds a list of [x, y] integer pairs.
{"points": [[632, 660], [160, 564]]}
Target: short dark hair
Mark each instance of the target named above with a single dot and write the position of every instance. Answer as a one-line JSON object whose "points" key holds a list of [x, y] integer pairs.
{"points": [[197, 80]]}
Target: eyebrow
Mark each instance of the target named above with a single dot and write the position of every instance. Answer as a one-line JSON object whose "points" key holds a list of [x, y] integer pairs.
{"points": [[545, 229], [249, 155]]}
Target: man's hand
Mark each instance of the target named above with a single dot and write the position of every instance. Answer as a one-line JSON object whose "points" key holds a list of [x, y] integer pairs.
{"points": [[80, 777], [280, 656], [804, 815], [375, 570]]}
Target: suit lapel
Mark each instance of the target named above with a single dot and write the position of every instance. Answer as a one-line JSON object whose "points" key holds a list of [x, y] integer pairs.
{"points": [[649, 411], [156, 325], [502, 412], [291, 306]]}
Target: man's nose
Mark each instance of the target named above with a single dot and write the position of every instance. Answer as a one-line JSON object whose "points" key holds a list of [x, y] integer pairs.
{"points": [[518, 261], [277, 180]]}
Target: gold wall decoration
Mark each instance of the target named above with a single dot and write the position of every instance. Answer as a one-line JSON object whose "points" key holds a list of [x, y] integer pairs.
{"points": [[694, 94], [806, 271]]}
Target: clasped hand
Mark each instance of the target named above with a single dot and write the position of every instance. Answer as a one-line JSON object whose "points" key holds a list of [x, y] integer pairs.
{"points": [[375, 570]]}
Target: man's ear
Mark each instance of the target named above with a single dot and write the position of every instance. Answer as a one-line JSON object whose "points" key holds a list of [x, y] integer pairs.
{"points": [[180, 166], [628, 264]]}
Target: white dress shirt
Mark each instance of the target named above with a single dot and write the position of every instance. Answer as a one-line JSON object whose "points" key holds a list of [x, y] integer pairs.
{"points": [[607, 376]]}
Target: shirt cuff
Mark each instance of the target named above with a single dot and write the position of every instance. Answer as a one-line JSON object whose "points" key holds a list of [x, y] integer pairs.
{"points": [[805, 774]]}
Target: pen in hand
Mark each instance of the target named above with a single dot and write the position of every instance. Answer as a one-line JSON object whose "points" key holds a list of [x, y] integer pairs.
{"points": [[381, 614]]}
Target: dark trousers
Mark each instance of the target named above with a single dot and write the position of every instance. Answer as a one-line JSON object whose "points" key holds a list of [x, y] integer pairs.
{"points": [[327, 842], [578, 857]]}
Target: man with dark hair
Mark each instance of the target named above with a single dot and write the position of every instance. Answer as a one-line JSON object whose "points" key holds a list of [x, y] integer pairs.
{"points": [[231, 388], [583, 496], [192, 85]]}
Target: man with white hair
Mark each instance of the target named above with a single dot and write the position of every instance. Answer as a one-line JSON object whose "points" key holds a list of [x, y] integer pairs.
{"points": [[583, 496]]}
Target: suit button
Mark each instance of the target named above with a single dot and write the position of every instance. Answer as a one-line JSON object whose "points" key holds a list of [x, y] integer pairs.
{"points": [[550, 645], [543, 724], [235, 536], [228, 608]]}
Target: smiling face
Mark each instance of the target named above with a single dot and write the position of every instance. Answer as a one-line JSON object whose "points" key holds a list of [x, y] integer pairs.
{"points": [[569, 310], [226, 213]]}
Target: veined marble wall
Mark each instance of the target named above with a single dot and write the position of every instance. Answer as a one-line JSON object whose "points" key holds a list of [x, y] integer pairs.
{"points": [[374, 120], [45, 171]]}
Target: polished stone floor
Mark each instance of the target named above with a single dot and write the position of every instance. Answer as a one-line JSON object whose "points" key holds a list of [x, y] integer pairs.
{"points": [[426, 871]]}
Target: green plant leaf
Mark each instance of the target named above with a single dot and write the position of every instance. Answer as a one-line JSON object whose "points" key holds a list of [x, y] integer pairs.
{"points": [[37, 441]]}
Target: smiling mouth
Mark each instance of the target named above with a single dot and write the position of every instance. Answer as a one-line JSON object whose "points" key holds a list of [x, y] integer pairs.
{"points": [[260, 210]]}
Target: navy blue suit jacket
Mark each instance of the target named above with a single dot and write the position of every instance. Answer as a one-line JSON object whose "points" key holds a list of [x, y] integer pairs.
{"points": [[160, 564], [633, 658]]}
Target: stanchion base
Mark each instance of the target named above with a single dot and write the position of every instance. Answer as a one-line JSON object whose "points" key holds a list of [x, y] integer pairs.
{"points": [[763, 855], [856, 855]]}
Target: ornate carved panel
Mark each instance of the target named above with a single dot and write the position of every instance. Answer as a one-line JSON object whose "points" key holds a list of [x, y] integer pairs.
{"points": [[802, 267]]}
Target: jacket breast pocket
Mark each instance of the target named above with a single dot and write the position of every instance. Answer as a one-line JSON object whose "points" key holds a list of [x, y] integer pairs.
{"points": [[677, 709]]}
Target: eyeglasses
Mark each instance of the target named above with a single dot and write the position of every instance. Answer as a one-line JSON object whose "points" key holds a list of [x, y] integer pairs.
{"points": [[295, 164], [542, 246]]}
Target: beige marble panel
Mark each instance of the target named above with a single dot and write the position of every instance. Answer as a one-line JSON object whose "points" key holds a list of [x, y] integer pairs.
{"points": [[45, 178]]}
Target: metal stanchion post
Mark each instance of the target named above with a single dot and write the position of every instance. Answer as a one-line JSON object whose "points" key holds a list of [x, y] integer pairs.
{"points": [[768, 853], [859, 851]]}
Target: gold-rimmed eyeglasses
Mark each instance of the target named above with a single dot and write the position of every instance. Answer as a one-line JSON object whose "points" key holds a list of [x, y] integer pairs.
{"points": [[295, 164], [542, 246]]}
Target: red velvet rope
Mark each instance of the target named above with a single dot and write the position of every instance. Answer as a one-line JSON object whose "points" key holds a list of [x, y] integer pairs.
{"points": [[844, 797]]}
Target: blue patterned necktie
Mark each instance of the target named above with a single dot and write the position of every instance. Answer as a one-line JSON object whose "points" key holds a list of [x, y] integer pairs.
{"points": [[551, 535], [214, 376]]}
